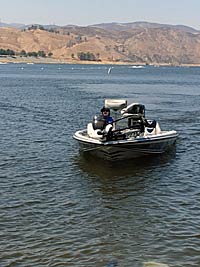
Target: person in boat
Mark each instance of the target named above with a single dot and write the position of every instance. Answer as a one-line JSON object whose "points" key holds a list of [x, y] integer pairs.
{"points": [[106, 115], [108, 123]]}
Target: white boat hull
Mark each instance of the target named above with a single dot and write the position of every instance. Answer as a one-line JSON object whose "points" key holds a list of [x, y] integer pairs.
{"points": [[127, 148]]}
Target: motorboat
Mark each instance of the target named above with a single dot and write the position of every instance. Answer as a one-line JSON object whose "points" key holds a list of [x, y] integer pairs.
{"points": [[130, 135]]}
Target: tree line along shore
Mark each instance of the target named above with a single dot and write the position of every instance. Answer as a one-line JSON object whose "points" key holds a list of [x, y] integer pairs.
{"points": [[10, 56], [83, 56]]}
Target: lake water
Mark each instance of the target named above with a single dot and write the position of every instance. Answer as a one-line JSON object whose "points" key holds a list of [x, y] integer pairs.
{"points": [[58, 208]]}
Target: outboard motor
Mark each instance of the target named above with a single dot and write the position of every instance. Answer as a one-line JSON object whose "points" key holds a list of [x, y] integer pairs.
{"points": [[136, 114]]}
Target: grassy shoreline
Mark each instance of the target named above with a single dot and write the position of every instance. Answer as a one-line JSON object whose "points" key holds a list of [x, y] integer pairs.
{"points": [[47, 60]]}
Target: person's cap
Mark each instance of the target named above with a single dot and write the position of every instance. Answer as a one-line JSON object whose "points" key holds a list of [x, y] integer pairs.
{"points": [[105, 109]]}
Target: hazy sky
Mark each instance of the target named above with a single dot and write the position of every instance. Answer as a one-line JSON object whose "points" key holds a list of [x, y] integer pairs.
{"points": [[87, 12]]}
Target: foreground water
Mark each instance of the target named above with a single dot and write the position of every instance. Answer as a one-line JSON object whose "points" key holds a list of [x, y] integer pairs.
{"points": [[58, 208]]}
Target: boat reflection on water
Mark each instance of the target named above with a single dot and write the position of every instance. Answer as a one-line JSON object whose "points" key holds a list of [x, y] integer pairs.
{"points": [[121, 169]]}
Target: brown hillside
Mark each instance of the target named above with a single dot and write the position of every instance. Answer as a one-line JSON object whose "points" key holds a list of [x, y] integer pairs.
{"points": [[136, 45]]}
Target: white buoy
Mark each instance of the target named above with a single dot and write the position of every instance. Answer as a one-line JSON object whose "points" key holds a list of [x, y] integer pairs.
{"points": [[109, 70]]}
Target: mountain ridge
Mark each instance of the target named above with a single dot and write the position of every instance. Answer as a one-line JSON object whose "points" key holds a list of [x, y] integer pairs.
{"points": [[133, 42], [104, 25]]}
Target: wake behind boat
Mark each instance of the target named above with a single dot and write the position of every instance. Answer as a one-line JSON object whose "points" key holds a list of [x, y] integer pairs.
{"points": [[131, 135]]}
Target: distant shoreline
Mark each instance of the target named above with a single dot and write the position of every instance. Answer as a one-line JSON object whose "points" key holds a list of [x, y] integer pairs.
{"points": [[47, 60]]}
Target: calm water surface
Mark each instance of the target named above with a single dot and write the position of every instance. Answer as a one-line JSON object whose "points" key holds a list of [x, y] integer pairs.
{"points": [[58, 208]]}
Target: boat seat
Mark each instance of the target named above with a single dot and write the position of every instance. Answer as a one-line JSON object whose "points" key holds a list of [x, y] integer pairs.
{"points": [[96, 134]]}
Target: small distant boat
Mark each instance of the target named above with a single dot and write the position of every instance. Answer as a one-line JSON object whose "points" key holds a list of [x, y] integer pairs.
{"points": [[137, 67], [130, 136]]}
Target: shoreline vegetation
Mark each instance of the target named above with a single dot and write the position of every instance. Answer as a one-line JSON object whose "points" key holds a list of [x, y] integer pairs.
{"points": [[51, 60]]}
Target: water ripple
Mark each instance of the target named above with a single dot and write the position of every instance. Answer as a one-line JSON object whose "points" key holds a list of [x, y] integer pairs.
{"points": [[59, 208]]}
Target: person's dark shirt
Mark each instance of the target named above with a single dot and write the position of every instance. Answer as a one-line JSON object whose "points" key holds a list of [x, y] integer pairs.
{"points": [[108, 119]]}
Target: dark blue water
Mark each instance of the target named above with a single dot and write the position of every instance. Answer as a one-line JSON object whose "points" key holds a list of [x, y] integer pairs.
{"points": [[58, 208]]}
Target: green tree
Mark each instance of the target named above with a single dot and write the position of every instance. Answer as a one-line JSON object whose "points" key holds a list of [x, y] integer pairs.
{"points": [[23, 53], [86, 56], [32, 54], [7, 52], [41, 53]]}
